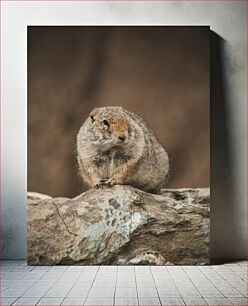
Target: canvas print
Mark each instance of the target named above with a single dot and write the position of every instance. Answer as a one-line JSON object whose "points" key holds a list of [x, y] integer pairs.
{"points": [[118, 145]]}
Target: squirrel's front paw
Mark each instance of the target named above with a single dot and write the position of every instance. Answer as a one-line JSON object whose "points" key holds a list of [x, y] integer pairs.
{"points": [[102, 183], [105, 183]]}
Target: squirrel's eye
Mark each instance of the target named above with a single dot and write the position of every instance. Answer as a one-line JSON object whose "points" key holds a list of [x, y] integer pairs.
{"points": [[105, 122], [92, 119]]}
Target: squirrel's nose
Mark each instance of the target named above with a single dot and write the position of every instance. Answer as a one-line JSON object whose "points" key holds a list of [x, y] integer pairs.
{"points": [[122, 138]]}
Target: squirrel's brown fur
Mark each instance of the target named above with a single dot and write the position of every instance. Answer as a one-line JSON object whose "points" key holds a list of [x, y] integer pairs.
{"points": [[115, 146]]}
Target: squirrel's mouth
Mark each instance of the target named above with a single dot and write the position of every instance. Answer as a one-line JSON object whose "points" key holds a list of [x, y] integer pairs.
{"points": [[109, 142], [101, 143], [122, 138]]}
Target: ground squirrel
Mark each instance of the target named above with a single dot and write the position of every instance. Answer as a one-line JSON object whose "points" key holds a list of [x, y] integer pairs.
{"points": [[115, 146]]}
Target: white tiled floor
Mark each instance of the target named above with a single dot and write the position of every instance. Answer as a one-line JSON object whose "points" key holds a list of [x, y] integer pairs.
{"points": [[111, 285]]}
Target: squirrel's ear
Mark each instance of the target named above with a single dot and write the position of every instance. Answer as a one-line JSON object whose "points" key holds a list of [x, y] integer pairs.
{"points": [[93, 113]]}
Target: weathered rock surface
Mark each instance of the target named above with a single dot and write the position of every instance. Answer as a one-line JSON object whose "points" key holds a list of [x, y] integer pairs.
{"points": [[120, 225]]}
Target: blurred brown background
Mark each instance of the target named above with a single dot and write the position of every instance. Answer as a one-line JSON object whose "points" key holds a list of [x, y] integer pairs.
{"points": [[160, 73]]}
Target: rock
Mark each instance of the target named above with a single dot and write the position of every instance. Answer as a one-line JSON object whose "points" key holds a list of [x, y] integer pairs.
{"points": [[120, 225], [38, 196]]}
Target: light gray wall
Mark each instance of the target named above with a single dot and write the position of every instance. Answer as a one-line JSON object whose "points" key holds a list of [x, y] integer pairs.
{"points": [[228, 109]]}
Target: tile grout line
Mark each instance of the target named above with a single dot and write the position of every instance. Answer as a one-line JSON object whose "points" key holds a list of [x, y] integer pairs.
{"points": [[54, 283], [39, 298], [26, 289], [117, 270], [14, 301], [175, 285], [211, 283], [38, 301], [92, 284], [231, 271], [240, 276], [194, 284], [33, 285], [73, 284], [135, 277], [155, 286], [229, 282]]}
